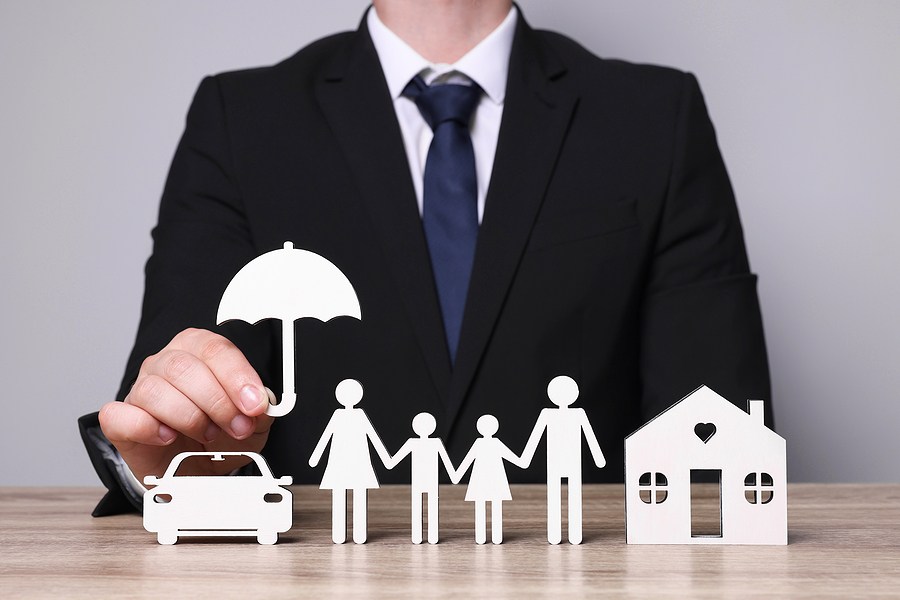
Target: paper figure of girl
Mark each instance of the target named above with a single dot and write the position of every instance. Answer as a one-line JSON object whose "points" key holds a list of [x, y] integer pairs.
{"points": [[488, 482], [349, 462]]}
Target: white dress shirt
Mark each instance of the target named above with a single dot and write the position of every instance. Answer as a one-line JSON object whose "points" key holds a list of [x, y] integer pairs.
{"points": [[487, 64]]}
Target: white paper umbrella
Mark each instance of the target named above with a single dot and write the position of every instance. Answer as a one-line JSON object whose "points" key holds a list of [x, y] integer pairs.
{"points": [[288, 284]]}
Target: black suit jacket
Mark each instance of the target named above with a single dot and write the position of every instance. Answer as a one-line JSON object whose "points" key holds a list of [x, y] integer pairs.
{"points": [[610, 248]]}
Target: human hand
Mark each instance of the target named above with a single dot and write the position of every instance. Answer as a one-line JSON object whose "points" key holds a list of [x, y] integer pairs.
{"points": [[199, 393]]}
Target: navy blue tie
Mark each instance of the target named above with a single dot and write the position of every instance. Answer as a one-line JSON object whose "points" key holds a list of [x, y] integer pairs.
{"points": [[450, 194]]}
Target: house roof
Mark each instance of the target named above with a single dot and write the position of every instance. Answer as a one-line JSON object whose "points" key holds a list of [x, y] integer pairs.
{"points": [[703, 412]]}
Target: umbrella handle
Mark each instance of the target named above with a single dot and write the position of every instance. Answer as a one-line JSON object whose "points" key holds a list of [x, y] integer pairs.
{"points": [[288, 400], [288, 395]]}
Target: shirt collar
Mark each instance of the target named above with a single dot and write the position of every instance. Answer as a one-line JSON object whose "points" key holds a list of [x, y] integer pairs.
{"points": [[487, 64]]}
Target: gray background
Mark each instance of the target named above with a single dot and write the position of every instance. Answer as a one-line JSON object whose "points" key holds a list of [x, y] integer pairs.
{"points": [[804, 95]]}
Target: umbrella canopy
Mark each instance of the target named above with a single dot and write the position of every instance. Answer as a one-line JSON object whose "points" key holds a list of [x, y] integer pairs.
{"points": [[288, 284]]}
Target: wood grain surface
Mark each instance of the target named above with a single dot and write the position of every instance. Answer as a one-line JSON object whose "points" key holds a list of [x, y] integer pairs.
{"points": [[844, 542]]}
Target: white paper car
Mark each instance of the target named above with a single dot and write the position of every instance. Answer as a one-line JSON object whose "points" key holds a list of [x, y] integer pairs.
{"points": [[228, 505]]}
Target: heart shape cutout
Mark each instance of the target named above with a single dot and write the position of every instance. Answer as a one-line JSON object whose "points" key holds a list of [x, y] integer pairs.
{"points": [[704, 431]]}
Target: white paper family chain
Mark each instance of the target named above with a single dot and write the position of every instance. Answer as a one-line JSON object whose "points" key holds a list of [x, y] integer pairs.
{"points": [[350, 466]]}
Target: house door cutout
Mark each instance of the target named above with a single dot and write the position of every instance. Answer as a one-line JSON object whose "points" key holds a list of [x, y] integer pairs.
{"points": [[706, 503]]}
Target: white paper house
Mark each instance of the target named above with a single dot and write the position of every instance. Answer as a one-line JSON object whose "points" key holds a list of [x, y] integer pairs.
{"points": [[706, 434]]}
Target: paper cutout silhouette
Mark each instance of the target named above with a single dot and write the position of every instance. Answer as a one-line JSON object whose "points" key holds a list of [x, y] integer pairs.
{"points": [[349, 462], [212, 505], [288, 284], [488, 482], [706, 434], [425, 451], [565, 426]]}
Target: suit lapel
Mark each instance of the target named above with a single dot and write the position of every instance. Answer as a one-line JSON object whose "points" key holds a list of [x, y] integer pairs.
{"points": [[355, 100], [536, 116]]}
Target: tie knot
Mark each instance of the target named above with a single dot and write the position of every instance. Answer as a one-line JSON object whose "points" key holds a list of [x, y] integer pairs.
{"points": [[441, 103]]}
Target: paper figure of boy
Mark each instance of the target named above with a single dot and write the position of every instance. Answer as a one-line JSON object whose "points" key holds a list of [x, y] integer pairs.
{"points": [[564, 426], [425, 451], [488, 482], [349, 462]]}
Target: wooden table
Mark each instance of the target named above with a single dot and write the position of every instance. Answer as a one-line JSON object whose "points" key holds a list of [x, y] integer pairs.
{"points": [[844, 543]]}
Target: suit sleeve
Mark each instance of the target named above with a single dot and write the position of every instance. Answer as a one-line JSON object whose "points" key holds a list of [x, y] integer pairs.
{"points": [[120, 496], [202, 237], [201, 240], [701, 321]]}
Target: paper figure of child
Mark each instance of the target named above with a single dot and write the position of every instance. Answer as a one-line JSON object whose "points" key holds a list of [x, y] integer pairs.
{"points": [[488, 482], [564, 427], [349, 462], [425, 451]]}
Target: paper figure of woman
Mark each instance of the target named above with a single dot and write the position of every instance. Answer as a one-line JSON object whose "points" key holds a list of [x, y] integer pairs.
{"points": [[349, 464]]}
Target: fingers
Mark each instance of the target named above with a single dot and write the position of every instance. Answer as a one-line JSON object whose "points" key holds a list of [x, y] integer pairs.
{"points": [[198, 393], [228, 365], [201, 385], [127, 426], [167, 404], [147, 445]]}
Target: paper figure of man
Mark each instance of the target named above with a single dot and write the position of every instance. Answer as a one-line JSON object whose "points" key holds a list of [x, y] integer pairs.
{"points": [[565, 426], [425, 451]]}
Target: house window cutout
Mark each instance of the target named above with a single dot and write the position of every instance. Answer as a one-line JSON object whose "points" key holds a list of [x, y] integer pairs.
{"points": [[652, 488], [758, 488], [706, 503]]}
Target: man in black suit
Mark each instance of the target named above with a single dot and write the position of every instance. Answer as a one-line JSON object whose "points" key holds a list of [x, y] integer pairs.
{"points": [[609, 249]]}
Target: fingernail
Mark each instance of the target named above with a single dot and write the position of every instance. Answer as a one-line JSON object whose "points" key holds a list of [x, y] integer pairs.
{"points": [[272, 398], [167, 434], [250, 398], [241, 425], [212, 432]]}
